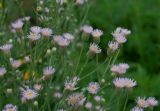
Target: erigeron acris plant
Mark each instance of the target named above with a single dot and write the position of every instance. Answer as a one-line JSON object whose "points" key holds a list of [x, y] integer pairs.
{"points": [[54, 65]]}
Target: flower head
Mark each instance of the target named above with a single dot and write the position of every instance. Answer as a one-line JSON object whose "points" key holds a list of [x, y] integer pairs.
{"points": [[93, 87], [34, 36], [152, 102], [17, 25], [71, 84], [97, 33], [113, 46], [2, 71], [87, 29], [48, 71], [29, 94], [124, 83], [76, 99], [88, 105], [63, 42], [137, 109], [10, 107], [47, 32], [141, 102], [16, 63], [35, 29], [6, 48], [68, 36], [119, 82], [94, 48]]}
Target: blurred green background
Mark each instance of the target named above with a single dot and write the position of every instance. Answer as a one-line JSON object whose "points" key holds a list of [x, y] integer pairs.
{"points": [[142, 50]]}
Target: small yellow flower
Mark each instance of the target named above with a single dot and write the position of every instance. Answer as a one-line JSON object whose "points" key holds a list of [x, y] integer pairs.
{"points": [[26, 75]]}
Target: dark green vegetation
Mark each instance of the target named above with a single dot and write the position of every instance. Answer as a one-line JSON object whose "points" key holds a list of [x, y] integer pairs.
{"points": [[143, 47]]}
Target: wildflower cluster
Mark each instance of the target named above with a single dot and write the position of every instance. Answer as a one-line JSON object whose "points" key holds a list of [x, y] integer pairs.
{"points": [[55, 65]]}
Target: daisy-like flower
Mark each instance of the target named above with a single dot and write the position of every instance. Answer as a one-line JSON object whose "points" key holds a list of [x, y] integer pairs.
{"points": [[34, 36], [113, 46], [29, 94], [88, 105], [35, 29], [16, 63], [87, 29], [152, 102], [79, 2], [71, 84], [119, 82], [97, 33], [119, 38], [124, 83], [93, 87], [6, 48], [129, 83], [63, 42], [76, 99], [119, 68], [122, 31], [48, 71], [17, 25], [10, 107], [141, 102], [94, 48], [137, 109], [68, 36], [46, 32], [2, 71]]}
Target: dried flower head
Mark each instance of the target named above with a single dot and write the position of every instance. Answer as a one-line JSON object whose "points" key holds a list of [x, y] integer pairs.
{"points": [[119, 68]]}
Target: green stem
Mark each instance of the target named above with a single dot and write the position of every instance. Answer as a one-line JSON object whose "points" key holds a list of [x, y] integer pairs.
{"points": [[125, 104]]}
